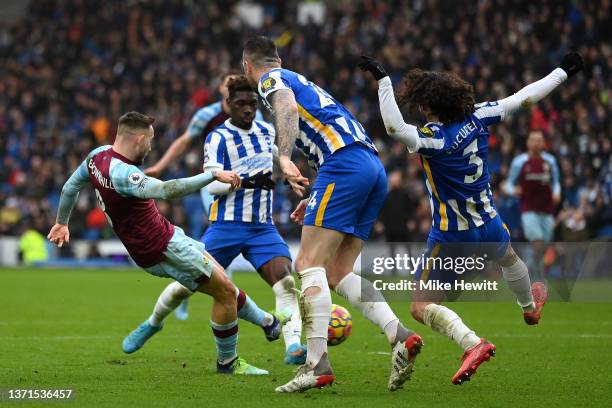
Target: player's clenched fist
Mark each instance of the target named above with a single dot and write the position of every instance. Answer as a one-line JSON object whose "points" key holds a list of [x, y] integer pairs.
{"points": [[59, 234], [230, 177], [572, 63], [369, 64]]}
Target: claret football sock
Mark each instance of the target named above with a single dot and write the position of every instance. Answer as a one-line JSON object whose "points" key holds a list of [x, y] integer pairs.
{"points": [[168, 300], [446, 322]]}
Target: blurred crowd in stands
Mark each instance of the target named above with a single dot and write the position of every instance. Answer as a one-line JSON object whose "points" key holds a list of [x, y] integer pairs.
{"points": [[69, 69]]}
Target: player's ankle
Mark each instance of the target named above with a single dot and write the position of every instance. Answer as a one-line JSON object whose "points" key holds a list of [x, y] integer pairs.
{"points": [[529, 308]]}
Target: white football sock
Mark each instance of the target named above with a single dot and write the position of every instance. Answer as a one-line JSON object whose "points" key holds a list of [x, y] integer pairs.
{"points": [[448, 323], [517, 277], [316, 310], [170, 298], [286, 299], [362, 295]]}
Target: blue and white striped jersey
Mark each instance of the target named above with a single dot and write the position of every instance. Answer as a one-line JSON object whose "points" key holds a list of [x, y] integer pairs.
{"points": [[246, 152], [325, 124], [454, 159]]}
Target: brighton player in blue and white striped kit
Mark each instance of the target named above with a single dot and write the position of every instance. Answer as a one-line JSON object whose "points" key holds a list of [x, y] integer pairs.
{"points": [[453, 149], [346, 197], [201, 124], [242, 223]]}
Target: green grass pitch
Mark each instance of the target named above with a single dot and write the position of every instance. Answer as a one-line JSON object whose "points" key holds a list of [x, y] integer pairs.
{"points": [[63, 329]]}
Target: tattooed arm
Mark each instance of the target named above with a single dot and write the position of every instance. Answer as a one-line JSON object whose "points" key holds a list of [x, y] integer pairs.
{"points": [[287, 127], [285, 120]]}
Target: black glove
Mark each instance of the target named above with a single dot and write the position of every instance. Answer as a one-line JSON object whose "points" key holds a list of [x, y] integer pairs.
{"points": [[259, 180], [572, 63], [373, 66]]}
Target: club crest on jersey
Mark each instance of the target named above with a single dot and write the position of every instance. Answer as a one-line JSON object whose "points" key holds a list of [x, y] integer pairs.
{"points": [[135, 178], [267, 84], [427, 132]]}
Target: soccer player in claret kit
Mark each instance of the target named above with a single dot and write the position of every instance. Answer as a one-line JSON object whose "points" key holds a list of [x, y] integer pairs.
{"points": [[126, 195], [534, 178], [453, 148], [241, 221], [350, 188]]}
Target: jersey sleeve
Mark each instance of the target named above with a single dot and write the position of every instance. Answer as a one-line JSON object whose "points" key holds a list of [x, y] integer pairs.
{"points": [[554, 171], [272, 82], [130, 181], [200, 120], [489, 113], [214, 151], [430, 141]]}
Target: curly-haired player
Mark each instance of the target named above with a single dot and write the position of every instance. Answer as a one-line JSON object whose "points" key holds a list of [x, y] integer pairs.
{"points": [[453, 148]]}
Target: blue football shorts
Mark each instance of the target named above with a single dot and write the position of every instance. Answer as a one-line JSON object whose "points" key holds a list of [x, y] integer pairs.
{"points": [[349, 191]]}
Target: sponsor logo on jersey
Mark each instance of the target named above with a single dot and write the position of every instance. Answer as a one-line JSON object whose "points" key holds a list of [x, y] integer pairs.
{"points": [[135, 178], [267, 84], [427, 132]]}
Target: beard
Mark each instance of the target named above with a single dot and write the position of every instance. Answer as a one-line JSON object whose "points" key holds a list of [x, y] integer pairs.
{"points": [[142, 156]]}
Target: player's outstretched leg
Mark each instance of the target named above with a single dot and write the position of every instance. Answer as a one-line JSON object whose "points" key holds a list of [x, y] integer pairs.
{"points": [[271, 322], [446, 322], [168, 300], [224, 323], [182, 311], [530, 297], [362, 295]]}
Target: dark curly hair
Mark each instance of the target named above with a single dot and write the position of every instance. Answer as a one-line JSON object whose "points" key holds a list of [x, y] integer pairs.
{"points": [[444, 94], [238, 83]]}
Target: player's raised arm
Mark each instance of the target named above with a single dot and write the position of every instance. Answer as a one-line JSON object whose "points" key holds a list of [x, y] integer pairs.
{"points": [[571, 64], [390, 112], [59, 233]]}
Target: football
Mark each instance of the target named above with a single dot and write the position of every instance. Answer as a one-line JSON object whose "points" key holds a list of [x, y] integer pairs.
{"points": [[340, 325]]}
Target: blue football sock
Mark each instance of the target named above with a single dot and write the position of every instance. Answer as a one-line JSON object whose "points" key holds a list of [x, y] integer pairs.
{"points": [[249, 311]]}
